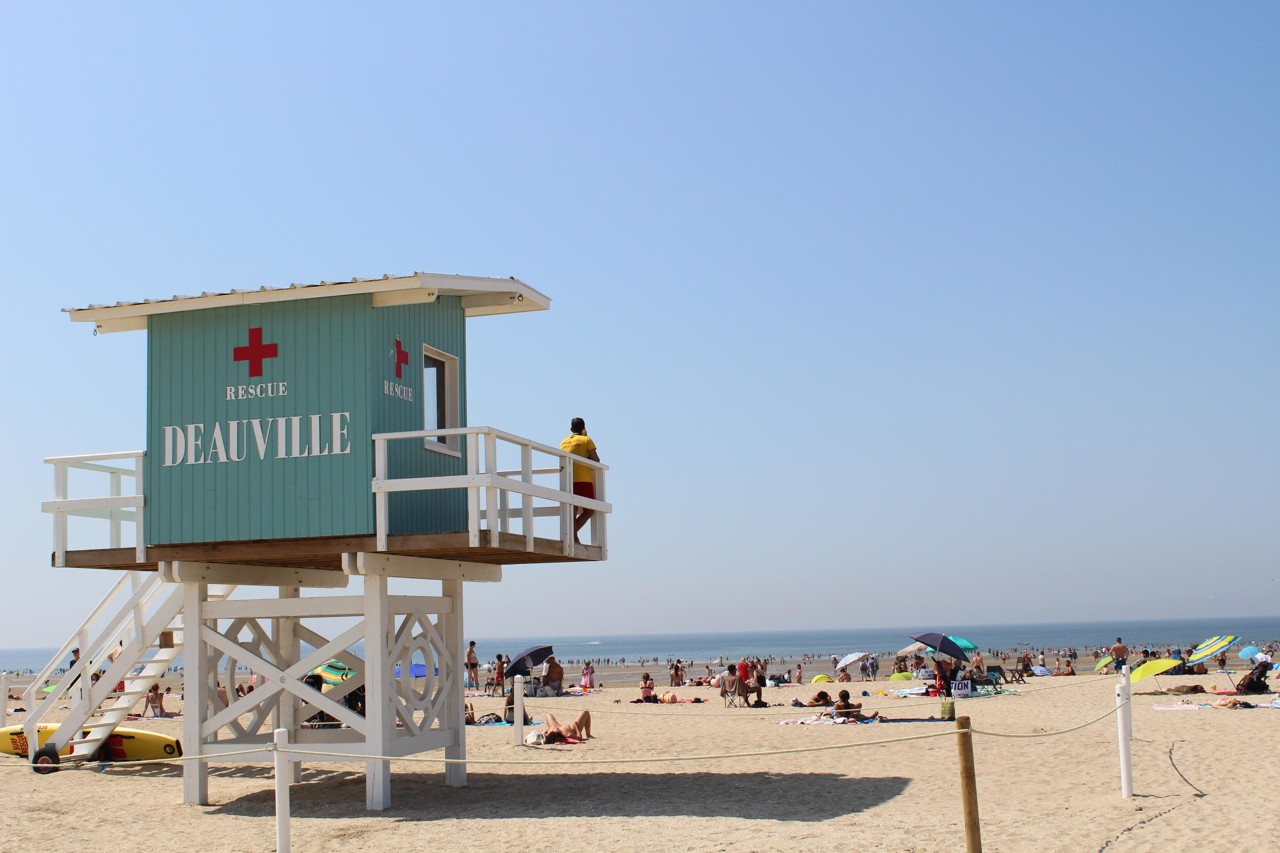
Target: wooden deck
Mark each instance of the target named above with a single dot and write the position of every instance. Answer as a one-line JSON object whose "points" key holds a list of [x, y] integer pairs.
{"points": [[326, 553]]}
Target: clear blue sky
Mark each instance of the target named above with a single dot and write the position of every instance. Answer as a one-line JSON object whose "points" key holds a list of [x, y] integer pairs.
{"points": [[881, 314]]}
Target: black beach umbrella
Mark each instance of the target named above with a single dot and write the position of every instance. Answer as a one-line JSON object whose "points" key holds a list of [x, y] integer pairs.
{"points": [[941, 643], [523, 663]]}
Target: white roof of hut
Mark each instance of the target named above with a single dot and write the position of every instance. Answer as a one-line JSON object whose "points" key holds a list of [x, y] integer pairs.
{"points": [[480, 297]]}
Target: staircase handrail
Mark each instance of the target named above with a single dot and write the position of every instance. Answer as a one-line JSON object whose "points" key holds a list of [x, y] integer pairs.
{"points": [[106, 636]]}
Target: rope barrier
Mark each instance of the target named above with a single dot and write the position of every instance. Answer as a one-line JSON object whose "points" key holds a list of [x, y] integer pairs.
{"points": [[650, 760], [102, 766], [1109, 712]]}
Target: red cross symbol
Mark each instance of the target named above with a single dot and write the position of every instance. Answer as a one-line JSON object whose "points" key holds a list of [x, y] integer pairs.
{"points": [[402, 357], [255, 353]]}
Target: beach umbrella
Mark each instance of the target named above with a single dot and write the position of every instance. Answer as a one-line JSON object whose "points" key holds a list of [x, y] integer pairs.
{"points": [[963, 643], [523, 663], [1153, 667], [1248, 652], [1040, 670], [1210, 648], [417, 670], [941, 643], [820, 679], [900, 676], [334, 672], [1103, 661], [914, 648], [852, 657]]}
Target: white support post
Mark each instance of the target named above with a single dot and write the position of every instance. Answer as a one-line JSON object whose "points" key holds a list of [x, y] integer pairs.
{"points": [[139, 514], [4, 699], [600, 521], [567, 510], [517, 708], [491, 493], [290, 645], [60, 518], [455, 775], [380, 498], [283, 778], [196, 693], [473, 492], [1124, 732], [114, 514], [526, 501], [378, 637]]}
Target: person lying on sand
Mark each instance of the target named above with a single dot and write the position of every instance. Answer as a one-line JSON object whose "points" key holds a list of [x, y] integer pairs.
{"points": [[579, 729], [819, 700]]}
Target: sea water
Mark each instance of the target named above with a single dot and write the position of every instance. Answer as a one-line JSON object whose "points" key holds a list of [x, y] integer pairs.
{"points": [[792, 645]]}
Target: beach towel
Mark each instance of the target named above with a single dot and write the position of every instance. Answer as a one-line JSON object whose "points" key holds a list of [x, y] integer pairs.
{"points": [[1183, 706]]}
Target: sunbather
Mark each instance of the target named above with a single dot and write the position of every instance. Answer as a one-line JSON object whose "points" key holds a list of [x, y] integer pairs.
{"points": [[579, 729], [819, 700], [509, 711]]}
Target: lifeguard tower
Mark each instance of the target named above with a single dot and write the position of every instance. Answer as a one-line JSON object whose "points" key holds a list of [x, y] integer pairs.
{"points": [[298, 437]]}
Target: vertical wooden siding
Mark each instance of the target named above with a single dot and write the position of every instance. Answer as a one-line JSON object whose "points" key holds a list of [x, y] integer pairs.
{"points": [[442, 325], [323, 357]]}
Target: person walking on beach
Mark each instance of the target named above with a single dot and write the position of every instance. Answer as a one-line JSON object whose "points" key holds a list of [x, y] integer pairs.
{"points": [[1120, 655], [584, 477]]}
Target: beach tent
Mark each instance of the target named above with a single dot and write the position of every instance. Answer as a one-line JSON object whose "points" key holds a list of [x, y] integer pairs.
{"points": [[820, 679], [901, 676]]}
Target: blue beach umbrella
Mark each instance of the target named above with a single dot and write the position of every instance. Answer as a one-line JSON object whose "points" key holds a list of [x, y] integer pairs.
{"points": [[1247, 652], [941, 643]]}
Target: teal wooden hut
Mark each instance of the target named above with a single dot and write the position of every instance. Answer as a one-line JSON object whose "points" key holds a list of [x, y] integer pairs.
{"points": [[297, 437]]}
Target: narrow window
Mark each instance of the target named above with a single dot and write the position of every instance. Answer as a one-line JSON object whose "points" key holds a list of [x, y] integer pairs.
{"points": [[440, 393]]}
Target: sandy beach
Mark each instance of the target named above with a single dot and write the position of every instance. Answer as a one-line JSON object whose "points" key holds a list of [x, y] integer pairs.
{"points": [[1197, 775]]}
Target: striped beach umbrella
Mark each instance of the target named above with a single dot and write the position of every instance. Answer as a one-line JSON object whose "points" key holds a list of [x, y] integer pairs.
{"points": [[1210, 648], [334, 672]]}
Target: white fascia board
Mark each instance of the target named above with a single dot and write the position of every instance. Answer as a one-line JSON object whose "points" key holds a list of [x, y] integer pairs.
{"points": [[480, 297]]}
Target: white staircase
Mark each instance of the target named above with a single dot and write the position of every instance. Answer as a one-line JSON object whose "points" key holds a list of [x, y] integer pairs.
{"points": [[140, 622]]}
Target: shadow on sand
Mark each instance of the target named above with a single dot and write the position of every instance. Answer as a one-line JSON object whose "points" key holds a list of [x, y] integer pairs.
{"points": [[424, 797]]}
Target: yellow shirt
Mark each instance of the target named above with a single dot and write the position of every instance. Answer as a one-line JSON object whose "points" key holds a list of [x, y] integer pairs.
{"points": [[580, 445]]}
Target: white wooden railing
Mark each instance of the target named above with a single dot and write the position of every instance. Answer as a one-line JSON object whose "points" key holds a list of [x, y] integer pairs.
{"points": [[117, 509], [500, 500]]}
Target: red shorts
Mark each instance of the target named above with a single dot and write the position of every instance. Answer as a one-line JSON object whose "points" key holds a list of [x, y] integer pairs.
{"points": [[584, 489]]}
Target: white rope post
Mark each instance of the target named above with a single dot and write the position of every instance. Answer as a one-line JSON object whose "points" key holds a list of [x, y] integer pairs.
{"points": [[281, 738], [4, 699], [1124, 733], [517, 708]]}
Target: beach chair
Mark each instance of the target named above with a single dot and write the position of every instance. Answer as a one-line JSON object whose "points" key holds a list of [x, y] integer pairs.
{"points": [[734, 692]]}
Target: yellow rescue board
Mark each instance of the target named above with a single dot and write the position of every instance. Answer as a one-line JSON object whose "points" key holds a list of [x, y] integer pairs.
{"points": [[121, 745]]}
